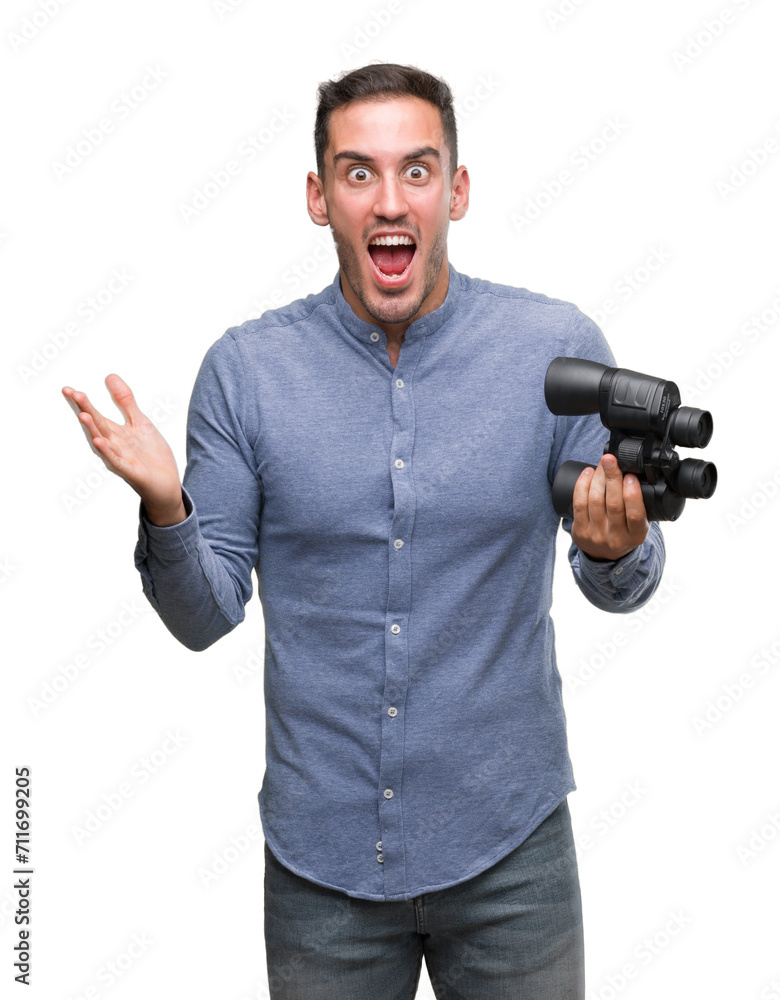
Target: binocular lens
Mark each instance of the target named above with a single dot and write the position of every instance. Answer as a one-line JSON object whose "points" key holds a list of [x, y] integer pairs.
{"points": [[696, 479], [690, 428]]}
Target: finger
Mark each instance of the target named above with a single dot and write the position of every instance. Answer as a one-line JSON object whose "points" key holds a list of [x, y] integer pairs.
{"points": [[79, 403], [77, 400], [100, 444], [636, 514], [87, 421], [613, 493], [82, 402], [67, 392], [111, 450], [580, 499], [98, 423], [123, 397], [597, 495]]}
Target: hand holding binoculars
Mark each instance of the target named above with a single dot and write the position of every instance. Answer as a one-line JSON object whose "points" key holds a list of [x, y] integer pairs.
{"points": [[646, 422]]}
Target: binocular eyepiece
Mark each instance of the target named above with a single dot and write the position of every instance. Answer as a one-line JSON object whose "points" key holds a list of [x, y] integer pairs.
{"points": [[646, 422]]}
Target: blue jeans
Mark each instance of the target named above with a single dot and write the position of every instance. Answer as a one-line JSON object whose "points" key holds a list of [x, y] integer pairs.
{"points": [[513, 932]]}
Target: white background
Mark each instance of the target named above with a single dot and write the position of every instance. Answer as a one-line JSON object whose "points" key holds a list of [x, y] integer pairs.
{"points": [[672, 713]]}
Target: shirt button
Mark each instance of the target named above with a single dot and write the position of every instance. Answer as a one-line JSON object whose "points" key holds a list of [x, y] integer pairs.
{"points": [[380, 859], [374, 336], [399, 542], [399, 463], [400, 383], [395, 629], [392, 712], [379, 845], [388, 793]]}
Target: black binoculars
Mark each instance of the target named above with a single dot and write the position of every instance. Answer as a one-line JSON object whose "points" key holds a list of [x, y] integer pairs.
{"points": [[646, 421]]}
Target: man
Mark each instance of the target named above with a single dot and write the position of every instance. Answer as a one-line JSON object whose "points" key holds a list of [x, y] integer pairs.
{"points": [[381, 455]]}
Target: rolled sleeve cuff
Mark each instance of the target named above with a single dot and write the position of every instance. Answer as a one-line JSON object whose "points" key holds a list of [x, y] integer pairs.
{"points": [[167, 545], [609, 571], [625, 584], [174, 540]]}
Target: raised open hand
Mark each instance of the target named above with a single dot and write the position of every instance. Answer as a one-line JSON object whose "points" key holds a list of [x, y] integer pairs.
{"points": [[135, 451]]}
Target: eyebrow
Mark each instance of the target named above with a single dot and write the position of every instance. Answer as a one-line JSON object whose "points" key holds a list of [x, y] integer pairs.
{"points": [[349, 154]]}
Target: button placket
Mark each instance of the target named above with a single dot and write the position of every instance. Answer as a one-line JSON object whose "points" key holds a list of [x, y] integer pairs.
{"points": [[397, 615]]}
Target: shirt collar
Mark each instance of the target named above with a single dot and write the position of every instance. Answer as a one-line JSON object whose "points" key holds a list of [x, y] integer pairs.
{"points": [[420, 328]]}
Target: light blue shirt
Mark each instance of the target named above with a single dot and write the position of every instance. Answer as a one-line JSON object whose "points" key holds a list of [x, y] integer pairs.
{"points": [[401, 527]]}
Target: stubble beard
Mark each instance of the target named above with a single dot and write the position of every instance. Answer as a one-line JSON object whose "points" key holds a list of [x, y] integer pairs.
{"points": [[390, 306]]}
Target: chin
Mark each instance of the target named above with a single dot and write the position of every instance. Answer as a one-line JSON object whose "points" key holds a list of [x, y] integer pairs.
{"points": [[394, 307]]}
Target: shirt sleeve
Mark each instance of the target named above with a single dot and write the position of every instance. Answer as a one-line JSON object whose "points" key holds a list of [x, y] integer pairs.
{"points": [[625, 584], [197, 574]]}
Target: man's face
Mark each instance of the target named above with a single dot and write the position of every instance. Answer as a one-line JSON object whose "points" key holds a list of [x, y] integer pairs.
{"points": [[387, 181]]}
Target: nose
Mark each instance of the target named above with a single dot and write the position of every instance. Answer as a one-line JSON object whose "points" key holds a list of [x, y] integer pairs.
{"points": [[391, 202]]}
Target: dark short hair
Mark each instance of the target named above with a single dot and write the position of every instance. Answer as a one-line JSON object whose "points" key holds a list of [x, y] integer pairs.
{"points": [[382, 81]]}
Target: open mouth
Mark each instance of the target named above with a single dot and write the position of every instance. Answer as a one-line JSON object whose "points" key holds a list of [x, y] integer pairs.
{"points": [[392, 256]]}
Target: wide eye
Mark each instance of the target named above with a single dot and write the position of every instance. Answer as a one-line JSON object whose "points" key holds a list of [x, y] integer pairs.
{"points": [[359, 174], [417, 172]]}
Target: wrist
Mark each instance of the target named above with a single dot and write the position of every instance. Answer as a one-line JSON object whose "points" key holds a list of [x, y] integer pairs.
{"points": [[605, 555], [165, 515]]}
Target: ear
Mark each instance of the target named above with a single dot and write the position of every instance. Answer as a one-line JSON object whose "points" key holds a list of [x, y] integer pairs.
{"points": [[315, 200], [459, 197]]}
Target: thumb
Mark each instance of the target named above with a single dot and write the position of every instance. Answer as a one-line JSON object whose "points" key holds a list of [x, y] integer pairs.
{"points": [[123, 397]]}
